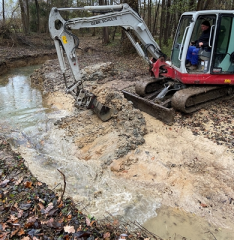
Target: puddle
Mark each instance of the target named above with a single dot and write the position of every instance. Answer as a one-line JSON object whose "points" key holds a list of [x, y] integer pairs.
{"points": [[175, 224]]}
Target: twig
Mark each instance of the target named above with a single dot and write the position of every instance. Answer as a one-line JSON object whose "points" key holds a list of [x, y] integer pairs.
{"points": [[56, 186], [212, 234], [64, 187]]}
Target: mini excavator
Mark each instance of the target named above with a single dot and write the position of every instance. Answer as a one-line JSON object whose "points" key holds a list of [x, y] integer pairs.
{"points": [[171, 86]]}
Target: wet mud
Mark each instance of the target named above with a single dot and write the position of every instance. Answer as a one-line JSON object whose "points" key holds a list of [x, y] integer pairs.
{"points": [[188, 165]]}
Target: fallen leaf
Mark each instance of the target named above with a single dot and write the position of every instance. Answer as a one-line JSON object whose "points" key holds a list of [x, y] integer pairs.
{"points": [[91, 224], [3, 226], [53, 224], [30, 222], [4, 183], [21, 232], [87, 221], [20, 213], [49, 207], [28, 184], [13, 218], [69, 229], [19, 181], [14, 232], [41, 206], [115, 222], [3, 235], [26, 238], [106, 235], [25, 206]]}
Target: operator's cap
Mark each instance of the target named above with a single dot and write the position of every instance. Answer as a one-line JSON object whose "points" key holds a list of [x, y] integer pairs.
{"points": [[206, 23]]}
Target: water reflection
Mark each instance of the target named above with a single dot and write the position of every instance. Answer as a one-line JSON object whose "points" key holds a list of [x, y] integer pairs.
{"points": [[20, 104]]}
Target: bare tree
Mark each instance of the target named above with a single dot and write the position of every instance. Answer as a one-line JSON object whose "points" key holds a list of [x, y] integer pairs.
{"points": [[23, 15], [3, 11], [105, 31], [38, 15]]}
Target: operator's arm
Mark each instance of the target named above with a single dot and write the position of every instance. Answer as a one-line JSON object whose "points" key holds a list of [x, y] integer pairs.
{"points": [[203, 41]]}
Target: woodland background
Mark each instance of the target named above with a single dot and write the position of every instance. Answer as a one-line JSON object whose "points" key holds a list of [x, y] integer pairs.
{"points": [[30, 17]]}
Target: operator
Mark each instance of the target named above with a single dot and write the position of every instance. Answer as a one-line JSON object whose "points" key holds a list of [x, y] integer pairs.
{"points": [[202, 42]]}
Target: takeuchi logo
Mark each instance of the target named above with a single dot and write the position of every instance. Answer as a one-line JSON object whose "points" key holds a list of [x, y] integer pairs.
{"points": [[103, 20]]}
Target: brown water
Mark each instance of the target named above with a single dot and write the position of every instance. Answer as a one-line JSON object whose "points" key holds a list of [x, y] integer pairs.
{"points": [[175, 224]]}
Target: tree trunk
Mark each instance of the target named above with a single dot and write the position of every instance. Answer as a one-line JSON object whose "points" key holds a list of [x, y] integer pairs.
{"points": [[162, 21], [192, 5], [27, 18], [207, 5], [126, 45], [23, 16], [105, 31], [38, 15], [3, 11], [167, 30], [199, 5], [154, 32]]}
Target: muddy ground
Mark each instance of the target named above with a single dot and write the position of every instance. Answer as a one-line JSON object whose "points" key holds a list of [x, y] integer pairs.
{"points": [[188, 165]]}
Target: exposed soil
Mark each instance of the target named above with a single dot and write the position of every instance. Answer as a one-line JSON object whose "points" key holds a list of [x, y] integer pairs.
{"points": [[188, 165], [30, 210]]}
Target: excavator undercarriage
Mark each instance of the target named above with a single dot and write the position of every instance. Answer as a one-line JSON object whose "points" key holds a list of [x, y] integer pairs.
{"points": [[161, 98]]}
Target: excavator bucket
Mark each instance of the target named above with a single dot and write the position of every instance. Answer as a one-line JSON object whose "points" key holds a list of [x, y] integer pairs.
{"points": [[161, 113], [102, 111]]}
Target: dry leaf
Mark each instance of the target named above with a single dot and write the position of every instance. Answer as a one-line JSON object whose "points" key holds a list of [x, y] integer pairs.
{"points": [[26, 238], [91, 224], [49, 207], [87, 221], [19, 181], [20, 213], [204, 205], [106, 235], [13, 218], [21, 232], [4, 183], [41, 206], [116, 222], [14, 232], [28, 184], [69, 229]]}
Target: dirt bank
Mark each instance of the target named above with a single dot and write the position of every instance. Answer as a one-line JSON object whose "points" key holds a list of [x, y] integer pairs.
{"points": [[30, 210], [188, 165], [25, 51], [20, 58]]}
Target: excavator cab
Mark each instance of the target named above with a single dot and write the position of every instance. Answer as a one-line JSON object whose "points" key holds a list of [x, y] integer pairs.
{"points": [[218, 57]]}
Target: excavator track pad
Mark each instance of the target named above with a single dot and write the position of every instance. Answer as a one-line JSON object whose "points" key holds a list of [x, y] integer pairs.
{"points": [[191, 99]]}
